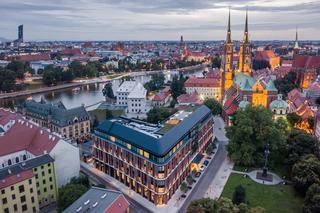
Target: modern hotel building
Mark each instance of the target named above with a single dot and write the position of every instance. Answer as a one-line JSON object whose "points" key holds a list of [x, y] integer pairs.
{"points": [[153, 159]]}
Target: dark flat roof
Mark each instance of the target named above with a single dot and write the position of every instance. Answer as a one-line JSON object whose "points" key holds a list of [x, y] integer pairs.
{"points": [[25, 165], [156, 146]]}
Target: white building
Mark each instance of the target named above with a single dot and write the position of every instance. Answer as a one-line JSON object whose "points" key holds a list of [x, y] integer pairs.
{"points": [[123, 91], [133, 95]]}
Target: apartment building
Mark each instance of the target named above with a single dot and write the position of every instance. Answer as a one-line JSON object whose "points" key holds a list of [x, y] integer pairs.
{"points": [[153, 159]]}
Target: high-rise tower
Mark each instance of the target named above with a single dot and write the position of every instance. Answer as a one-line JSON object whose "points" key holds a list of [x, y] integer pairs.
{"points": [[245, 58], [227, 61], [20, 33], [296, 47]]}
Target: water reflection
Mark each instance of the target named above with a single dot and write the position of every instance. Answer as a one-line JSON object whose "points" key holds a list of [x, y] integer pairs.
{"points": [[86, 95]]}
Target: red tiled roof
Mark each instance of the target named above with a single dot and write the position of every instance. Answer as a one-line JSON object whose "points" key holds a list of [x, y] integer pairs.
{"points": [[24, 135], [264, 55], [159, 97], [232, 109], [35, 57], [13, 179], [71, 51], [306, 61], [192, 98], [202, 82], [215, 73]]}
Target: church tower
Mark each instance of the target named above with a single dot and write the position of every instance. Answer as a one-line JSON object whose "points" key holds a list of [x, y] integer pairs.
{"points": [[245, 58], [296, 47], [227, 61]]}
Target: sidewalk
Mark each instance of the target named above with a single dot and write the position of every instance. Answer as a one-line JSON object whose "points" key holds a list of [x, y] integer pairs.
{"points": [[216, 186], [253, 176], [172, 206]]}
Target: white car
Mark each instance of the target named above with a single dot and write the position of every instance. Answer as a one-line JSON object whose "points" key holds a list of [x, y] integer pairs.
{"points": [[202, 168]]}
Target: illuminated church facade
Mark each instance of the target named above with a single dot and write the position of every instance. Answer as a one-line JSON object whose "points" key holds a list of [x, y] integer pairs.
{"points": [[237, 82]]}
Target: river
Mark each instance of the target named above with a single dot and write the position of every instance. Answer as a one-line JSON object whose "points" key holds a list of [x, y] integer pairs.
{"points": [[74, 97]]}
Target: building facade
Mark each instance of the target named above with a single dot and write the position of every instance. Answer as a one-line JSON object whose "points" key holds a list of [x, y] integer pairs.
{"points": [[29, 185], [205, 87], [153, 160], [73, 124]]}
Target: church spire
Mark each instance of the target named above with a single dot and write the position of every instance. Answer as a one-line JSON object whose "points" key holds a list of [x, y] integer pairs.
{"points": [[296, 43], [229, 29], [246, 30]]}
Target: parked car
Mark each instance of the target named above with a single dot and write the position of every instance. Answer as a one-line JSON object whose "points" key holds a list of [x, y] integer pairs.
{"points": [[183, 196], [206, 162], [202, 168], [198, 174]]}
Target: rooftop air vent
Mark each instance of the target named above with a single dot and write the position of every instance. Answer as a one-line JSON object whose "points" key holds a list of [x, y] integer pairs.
{"points": [[79, 209], [104, 195], [87, 202], [95, 204]]}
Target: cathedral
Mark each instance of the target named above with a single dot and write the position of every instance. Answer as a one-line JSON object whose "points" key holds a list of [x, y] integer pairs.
{"points": [[237, 82]]}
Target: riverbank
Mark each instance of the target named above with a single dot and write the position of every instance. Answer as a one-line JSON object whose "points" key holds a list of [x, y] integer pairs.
{"points": [[103, 79]]}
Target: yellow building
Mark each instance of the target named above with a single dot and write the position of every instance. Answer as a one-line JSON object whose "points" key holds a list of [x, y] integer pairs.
{"points": [[28, 186], [245, 57], [18, 193]]}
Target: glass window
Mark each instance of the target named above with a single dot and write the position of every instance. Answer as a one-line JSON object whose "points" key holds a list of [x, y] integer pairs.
{"points": [[4, 201], [21, 188], [24, 207], [23, 198]]}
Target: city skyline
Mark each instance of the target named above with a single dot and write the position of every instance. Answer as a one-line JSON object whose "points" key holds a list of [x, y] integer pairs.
{"points": [[159, 20]]}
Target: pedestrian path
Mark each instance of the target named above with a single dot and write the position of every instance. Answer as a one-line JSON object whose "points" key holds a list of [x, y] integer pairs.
{"points": [[253, 176], [217, 185]]}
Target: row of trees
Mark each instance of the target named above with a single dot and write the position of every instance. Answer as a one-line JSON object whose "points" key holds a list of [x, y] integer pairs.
{"points": [[8, 75], [292, 150], [156, 82], [223, 205]]}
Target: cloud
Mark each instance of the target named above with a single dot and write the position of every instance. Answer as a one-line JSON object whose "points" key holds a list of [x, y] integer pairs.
{"points": [[156, 19]]}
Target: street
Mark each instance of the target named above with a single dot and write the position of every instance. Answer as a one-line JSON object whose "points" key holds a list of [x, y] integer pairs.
{"points": [[211, 171]]}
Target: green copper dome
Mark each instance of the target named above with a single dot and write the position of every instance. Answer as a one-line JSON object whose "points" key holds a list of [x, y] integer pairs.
{"points": [[279, 103], [244, 103]]}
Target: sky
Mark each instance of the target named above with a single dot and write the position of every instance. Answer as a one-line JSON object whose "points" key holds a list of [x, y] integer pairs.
{"points": [[158, 19]]}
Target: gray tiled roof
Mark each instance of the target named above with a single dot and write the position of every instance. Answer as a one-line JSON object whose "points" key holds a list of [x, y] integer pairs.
{"points": [[25, 165], [156, 146], [103, 198], [57, 112]]}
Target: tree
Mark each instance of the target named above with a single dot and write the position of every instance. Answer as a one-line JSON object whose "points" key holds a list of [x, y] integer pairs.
{"points": [[288, 83], [239, 195], [293, 119], [305, 173], [216, 62], [67, 76], [260, 64], [190, 179], [18, 67], [312, 199], [252, 129], [82, 180], [299, 144], [69, 194], [214, 105], [156, 82], [107, 91], [205, 205], [225, 205], [77, 69], [177, 86], [184, 187], [49, 77], [7, 80], [160, 114]]}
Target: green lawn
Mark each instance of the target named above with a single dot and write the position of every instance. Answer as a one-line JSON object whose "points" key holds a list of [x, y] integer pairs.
{"points": [[275, 199]]}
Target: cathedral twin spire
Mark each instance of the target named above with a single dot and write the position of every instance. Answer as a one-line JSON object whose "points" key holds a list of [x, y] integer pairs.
{"points": [[246, 29]]}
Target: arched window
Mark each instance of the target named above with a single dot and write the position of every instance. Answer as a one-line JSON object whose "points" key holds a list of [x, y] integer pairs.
{"points": [[9, 162], [17, 159], [24, 157]]}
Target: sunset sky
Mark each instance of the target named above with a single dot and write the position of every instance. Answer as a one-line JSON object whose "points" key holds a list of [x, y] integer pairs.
{"points": [[158, 19]]}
